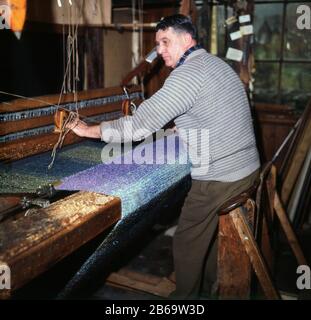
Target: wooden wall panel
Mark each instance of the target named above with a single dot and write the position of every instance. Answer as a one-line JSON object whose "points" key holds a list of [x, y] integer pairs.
{"points": [[272, 125], [118, 47], [117, 56]]}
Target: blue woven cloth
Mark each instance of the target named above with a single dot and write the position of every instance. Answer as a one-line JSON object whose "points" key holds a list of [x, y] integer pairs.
{"points": [[81, 167], [28, 174], [136, 184]]}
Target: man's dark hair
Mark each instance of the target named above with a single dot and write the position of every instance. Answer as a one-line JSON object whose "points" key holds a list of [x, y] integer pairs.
{"points": [[179, 23]]}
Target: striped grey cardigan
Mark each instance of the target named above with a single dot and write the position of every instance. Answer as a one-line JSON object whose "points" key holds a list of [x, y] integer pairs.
{"points": [[203, 96]]}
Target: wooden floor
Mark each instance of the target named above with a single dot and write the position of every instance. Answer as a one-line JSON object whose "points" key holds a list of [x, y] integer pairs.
{"points": [[149, 275]]}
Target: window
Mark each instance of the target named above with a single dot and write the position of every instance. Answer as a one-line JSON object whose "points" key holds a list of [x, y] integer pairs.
{"points": [[282, 50]]}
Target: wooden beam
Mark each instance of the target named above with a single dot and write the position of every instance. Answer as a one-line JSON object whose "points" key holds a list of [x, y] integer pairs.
{"points": [[41, 101], [19, 125], [32, 244], [25, 147]]}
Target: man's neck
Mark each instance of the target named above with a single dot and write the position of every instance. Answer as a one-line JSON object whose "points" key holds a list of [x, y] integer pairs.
{"points": [[192, 44], [188, 51]]}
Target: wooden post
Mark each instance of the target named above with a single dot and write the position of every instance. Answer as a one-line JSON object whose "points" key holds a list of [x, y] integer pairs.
{"points": [[276, 203], [234, 268], [296, 163], [250, 246], [288, 230]]}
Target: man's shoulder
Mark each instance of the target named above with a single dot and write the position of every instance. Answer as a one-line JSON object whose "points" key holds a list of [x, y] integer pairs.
{"points": [[215, 64], [197, 54]]}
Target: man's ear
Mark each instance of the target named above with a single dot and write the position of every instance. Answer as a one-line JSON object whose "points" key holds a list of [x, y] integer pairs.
{"points": [[187, 38]]}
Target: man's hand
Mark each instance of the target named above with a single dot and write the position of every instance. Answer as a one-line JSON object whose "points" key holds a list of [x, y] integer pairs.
{"points": [[81, 129], [78, 126]]}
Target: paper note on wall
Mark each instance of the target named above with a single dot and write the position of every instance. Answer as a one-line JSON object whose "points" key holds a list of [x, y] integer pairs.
{"points": [[234, 54], [245, 30], [235, 35], [231, 20], [245, 18]]}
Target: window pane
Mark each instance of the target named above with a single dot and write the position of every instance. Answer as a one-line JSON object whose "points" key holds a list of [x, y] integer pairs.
{"points": [[266, 82], [267, 26], [296, 84], [297, 42]]}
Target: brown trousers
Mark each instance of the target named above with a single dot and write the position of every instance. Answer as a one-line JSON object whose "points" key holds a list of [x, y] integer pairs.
{"points": [[195, 239]]}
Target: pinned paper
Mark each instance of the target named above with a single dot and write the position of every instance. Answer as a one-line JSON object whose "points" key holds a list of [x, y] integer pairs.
{"points": [[234, 54], [235, 35], [245, 18], [245, 30], [231, 20]]}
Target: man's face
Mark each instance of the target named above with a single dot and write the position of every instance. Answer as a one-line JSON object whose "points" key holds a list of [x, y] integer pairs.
{"points": [[171, 45]]}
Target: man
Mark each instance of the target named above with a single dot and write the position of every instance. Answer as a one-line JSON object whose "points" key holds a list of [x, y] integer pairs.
{"points": [[202, 94]]}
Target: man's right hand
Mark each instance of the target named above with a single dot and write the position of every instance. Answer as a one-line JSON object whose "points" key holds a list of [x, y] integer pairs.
{"points": [[81, 129]]}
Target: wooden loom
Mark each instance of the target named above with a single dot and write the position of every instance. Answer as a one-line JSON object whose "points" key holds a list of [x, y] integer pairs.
{"points": [[19, 148], [32, 244]]}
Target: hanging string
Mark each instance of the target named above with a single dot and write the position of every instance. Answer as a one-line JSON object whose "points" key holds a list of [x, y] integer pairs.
{"points": [[73, 70], [27, 98], [69, 48], [69, 56], [76, 62], [63, 132], [72, 115]]}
